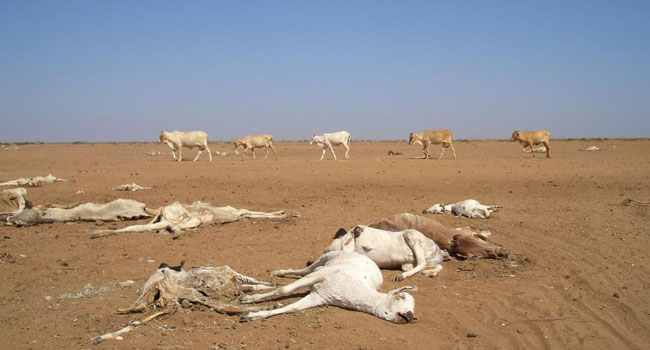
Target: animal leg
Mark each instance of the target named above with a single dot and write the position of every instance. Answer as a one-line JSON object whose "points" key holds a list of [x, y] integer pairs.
{"points": [[407, 267], [253, 150], [198, 154], [273, 149], [311, 300], [225, 308], [253, 287], [306, 281], [208, 149], [413, 241], [443, 152], [432, 272], [247, 280], [245, 213], [452, 149], [347, 150], [494, 208], [180, 153], [323, 155], [301, 272], [426, 150], [172, 147], [332, 150], [152, 227], [548, 149], [532, 150], [267, 152], [132, 326]]}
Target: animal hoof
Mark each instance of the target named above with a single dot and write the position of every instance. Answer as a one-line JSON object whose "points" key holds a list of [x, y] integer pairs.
{"points": [[97, 340], [244, 317], [398, 278], [278, 273], [502, 253]]}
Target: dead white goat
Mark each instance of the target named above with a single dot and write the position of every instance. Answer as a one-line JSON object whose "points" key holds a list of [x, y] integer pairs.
{"points": [[409, 250], [592, 149], [33, 181], [169, 288], [177, 217], [130, 187], [468, 208], [345, 279]]}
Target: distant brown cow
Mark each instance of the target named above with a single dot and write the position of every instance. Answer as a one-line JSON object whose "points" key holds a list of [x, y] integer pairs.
{"points": [[532, 138], [459, 242], [435, 137]]}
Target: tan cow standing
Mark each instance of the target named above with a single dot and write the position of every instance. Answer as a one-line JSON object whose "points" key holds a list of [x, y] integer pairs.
{"points": [[255, 141], [532, 138], [436, 137]]}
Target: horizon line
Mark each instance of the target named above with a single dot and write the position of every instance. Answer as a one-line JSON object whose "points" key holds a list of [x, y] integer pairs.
{"points": [[307, 140]]}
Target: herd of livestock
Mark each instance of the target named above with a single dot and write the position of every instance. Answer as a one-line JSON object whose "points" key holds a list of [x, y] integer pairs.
{"points": [[199, 139], [347, 275]]}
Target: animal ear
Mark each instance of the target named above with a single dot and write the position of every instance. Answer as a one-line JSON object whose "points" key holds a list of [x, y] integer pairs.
{"points": [[340, 233], [403, 289], [357, 231]]}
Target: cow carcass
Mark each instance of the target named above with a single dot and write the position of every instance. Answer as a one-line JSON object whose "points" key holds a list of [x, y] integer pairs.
{"points": [[177, 217]]}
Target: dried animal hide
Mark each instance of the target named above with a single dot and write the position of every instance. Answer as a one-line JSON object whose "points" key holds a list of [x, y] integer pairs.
{"points": [[33, 181]]}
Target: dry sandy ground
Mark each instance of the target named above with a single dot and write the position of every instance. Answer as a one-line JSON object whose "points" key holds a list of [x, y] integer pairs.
{"points": [[577, 277]]}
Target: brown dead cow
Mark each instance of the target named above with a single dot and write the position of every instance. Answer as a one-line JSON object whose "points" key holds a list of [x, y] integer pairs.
{"points": [[532, 138], [459, 242]]}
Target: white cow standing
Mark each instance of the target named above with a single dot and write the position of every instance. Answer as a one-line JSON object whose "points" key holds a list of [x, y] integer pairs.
{"points": [[328, 140], [190, 139]]}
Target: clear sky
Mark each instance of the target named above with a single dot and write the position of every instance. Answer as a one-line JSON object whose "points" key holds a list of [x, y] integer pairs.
{"points": [[124, 70]]}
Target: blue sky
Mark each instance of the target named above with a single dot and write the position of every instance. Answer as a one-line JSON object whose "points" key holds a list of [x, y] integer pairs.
{"points": [[124, 70]]}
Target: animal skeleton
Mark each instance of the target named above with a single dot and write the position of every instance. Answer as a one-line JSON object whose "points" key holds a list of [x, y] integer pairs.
{"points": [[172, 287]]}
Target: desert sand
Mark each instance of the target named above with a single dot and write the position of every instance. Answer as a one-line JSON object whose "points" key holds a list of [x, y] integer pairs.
{"points": [[578, 274]]}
